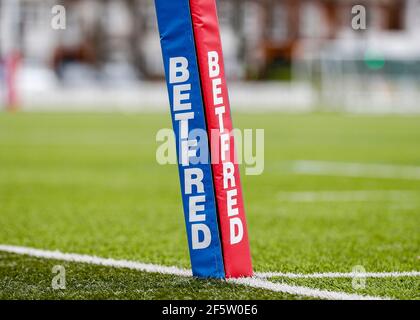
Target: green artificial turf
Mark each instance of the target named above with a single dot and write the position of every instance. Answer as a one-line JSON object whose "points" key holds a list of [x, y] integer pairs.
{"points": [[25, 277], [392, 287], [90, 183]]}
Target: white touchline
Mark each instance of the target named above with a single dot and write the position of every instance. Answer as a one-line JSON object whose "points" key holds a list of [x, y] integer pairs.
{"points": [[81, 258], [301, 291], [257, 282], [349, 196], [395, 274], [369, 170]]}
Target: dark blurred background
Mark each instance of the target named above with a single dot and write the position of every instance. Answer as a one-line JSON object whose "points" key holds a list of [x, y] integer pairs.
{"points": [[295, 55]]}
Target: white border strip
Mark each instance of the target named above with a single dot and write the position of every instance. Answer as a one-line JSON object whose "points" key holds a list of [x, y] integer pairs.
{"points": [[264, 275], [145, 267]]}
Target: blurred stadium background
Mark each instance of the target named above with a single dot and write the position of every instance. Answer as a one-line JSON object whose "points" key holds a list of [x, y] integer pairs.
{"points": [[294, 55], [338, 190]]}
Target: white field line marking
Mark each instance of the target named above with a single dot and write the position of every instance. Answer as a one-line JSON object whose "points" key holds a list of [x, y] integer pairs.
{"points": [[348, 196], [330, 168], [81, 258], [148, 267], [339, 275], [302, 291], [152, 268]]}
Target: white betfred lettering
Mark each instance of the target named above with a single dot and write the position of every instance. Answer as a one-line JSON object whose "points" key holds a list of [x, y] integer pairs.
{"points": [[196, 229], [214, 68], [188, 150], [183, 118], [225, 148], [236, 230], [220, 111], [217, 91], [181, 93], [193, 177], [194, 207], [231, 201], [228, 175], [178, 70], [224, 145]]}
